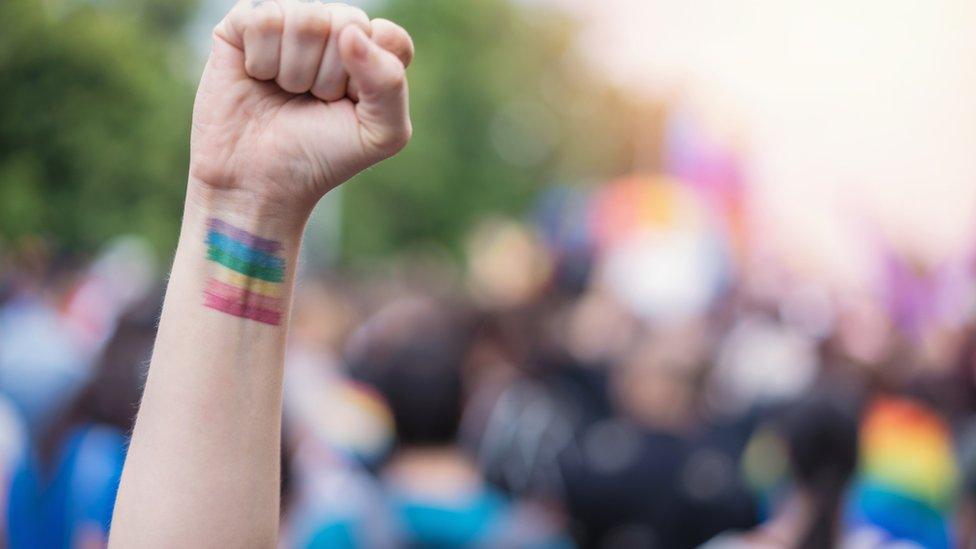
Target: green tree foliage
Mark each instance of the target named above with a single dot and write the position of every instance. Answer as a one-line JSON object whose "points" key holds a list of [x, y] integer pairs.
{"points": [[95, 102], [94, 120], [502, 105]]}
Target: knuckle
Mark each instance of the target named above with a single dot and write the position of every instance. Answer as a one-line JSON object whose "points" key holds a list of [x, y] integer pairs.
{"points": [[388, 30], [292, 86], [313, 25], [393, 38], [261, 71], [349, 15], [357, 14], [228, 28], [329, 91], [360, 17], [266, 22], [286, 80]]}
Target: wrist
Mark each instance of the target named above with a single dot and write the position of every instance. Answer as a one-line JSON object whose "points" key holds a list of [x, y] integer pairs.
{"points": [[239, 252], [244, 207]]}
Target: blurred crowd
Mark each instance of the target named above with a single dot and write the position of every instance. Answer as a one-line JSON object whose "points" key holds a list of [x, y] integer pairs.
{"points": [[616, 369]]}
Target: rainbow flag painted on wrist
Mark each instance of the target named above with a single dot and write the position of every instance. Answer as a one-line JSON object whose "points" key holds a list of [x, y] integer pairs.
{"points": [[248, 273]]}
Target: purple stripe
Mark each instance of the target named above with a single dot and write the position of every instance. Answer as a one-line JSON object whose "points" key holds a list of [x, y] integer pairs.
{"points": [[244, 237]]}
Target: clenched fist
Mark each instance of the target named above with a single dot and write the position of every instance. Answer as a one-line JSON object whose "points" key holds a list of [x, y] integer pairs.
{"points": [[297, 97]]}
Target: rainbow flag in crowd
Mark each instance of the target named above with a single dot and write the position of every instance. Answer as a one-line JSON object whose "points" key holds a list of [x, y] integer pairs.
{"points": [[908, 472]]}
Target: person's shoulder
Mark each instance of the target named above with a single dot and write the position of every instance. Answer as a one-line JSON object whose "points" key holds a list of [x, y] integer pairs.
{"points": [[530, 524], [98, 444], [866, 536], [92, 462], [342, 507], [548, 532]]}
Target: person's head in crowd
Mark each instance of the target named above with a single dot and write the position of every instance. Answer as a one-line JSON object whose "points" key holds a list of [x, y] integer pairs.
{"points": [[813, 444], [411, 352], [822, 444], [656, 383], [430, 491]]}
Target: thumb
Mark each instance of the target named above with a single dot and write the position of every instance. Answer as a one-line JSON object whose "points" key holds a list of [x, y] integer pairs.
{"points": [[381, 79]]}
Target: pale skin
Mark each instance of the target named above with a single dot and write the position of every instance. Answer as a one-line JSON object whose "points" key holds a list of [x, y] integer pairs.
{"points": [[296, 98]]}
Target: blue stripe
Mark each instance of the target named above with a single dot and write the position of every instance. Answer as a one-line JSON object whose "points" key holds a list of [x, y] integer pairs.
{"points": [[242, 251]]}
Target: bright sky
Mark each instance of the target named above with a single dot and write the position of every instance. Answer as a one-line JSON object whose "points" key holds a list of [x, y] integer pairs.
{"points": [[849, 109]]}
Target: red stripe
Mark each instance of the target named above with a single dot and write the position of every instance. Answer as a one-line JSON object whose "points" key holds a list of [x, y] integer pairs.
{"points": [[242, 310], [240, 295]]}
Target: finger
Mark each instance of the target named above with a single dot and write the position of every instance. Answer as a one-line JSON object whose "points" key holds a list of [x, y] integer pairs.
{"points": [[306, 31], [231, 27], [330, 83], [255, 26], [381, 78], [392, 38]]}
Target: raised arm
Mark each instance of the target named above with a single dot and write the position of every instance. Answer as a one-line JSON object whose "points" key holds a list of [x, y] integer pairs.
{"points": [[296, 98]]}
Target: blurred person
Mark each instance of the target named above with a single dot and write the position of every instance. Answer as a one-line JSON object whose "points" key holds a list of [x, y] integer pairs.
{"points": [[821, 442], [43, 359], [57, 319], [314, 381], [121, 274], [430, 492], [760, 362], [13, 449], [525, 390], [963, 388], [965, 517], [507, 265], [337, 430], [63, 493], [536, 375], [655, 474], [296, 98]]}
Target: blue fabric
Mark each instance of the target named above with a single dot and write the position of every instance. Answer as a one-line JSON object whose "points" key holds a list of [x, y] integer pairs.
{"points": [[466, 524], [901, 516], [335, 535], [53, 510], [94, 479], [486, 519], [23, 507]]}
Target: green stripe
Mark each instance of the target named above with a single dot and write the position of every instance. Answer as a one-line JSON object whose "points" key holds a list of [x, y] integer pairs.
{"points": [[246, 268]]}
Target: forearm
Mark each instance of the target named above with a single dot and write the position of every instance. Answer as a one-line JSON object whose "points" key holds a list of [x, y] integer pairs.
{"points": [[274, 117], [203, 465]]}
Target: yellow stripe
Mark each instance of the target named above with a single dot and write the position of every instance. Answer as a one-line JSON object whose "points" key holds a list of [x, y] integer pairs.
{"points": [[253, 285]]}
